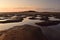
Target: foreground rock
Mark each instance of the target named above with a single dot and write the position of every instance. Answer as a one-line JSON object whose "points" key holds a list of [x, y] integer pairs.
{"points": [[25, 32]]}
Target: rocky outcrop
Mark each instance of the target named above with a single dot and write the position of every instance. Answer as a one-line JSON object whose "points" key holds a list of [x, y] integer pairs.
{"points": [[48, 23], [12, 20], [25, 32]]}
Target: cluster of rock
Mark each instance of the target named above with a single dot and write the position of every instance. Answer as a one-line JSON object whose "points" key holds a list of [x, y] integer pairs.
{"points": [[48, 23]]}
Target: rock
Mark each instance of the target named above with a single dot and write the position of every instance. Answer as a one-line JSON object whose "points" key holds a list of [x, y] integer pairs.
{"points": [[25, 32], [12, 21], [32, 18], [48, 23]]}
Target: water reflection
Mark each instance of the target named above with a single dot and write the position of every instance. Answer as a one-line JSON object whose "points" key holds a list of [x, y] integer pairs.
{"points": [[53, 18], [26, 21]]}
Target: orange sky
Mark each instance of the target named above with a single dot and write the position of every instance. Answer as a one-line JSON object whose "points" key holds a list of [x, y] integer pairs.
{"points": [[24, 5], [17, 9]]}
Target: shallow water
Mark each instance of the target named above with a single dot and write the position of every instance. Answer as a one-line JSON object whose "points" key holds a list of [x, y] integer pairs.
{"points": [[52, 32], [52, 18], [4, 26]]}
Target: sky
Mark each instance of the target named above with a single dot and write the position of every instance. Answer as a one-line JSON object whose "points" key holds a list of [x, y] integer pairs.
{"points": [[24, 5]]}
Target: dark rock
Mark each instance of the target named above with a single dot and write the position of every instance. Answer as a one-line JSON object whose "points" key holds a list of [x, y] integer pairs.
{"points": [[48, 23], [33, 18], [45, 18], [11, 21]]}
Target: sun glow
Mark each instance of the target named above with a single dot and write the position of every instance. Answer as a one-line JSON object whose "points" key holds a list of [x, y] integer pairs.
{"points": [[17, 9], [23, 5]]}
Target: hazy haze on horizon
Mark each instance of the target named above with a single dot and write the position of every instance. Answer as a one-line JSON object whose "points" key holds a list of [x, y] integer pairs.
{"points": [[23, 5]]}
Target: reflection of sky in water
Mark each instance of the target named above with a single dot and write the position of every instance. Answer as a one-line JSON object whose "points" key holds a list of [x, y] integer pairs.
{"points": [[25, 21], [50, 31], [28, 21], [52, 18]]}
